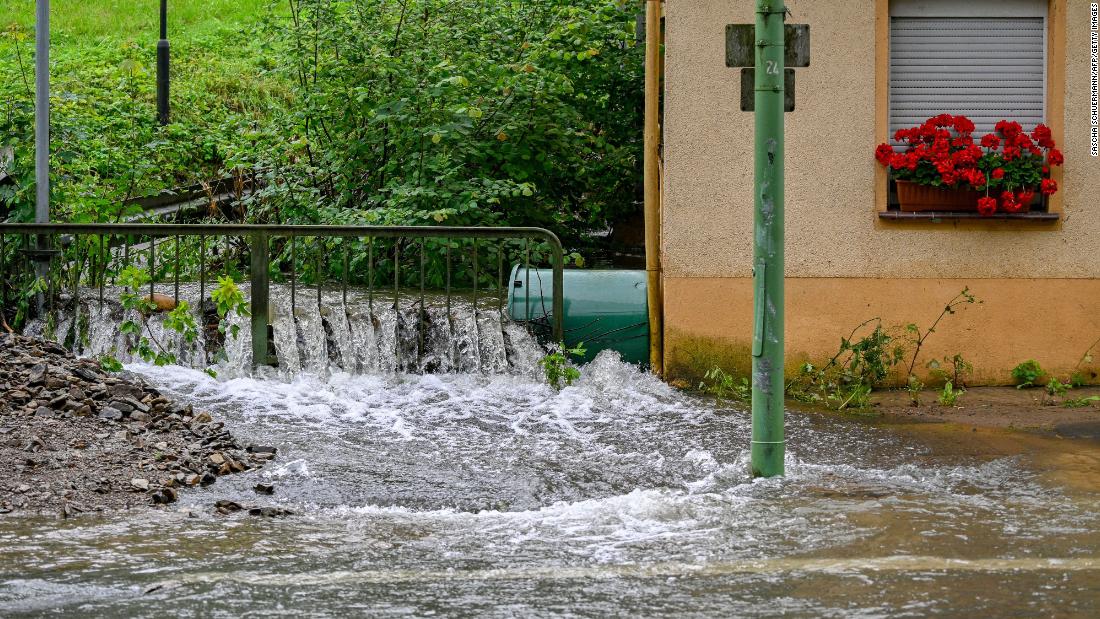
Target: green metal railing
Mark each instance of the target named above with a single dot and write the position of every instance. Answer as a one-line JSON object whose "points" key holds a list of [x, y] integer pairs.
{"points": [[118, 244]]}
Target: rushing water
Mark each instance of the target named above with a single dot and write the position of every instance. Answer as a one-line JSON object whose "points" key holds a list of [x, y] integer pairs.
{"points": [[476, 490], [357, 333]]}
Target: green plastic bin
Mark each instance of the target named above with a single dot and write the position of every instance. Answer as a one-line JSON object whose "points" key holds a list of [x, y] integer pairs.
{"points": [[604, 308]]}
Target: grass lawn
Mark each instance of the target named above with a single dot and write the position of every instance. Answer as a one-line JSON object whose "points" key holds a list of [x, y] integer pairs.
{"points": [[105, 143], [134, 19]]}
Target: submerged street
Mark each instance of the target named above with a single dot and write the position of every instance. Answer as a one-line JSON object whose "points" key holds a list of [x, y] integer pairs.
{"points": [[495, 495]]}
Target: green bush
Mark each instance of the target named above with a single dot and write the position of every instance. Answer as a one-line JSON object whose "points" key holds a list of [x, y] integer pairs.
{"points": [[483, 112], [105, 143]]}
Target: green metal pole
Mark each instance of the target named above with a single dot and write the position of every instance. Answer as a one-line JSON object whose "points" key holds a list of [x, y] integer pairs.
{"points": [[767, 347]]}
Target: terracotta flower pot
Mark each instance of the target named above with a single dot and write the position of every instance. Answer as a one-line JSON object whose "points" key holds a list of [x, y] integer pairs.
{"points": [[914, 197]]}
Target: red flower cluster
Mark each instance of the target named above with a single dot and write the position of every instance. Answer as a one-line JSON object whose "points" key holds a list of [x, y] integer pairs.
{"points": [[942, 152], [987, 206], [945, 143]]}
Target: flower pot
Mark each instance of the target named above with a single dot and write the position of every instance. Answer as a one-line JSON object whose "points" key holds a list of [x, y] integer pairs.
{"points": [[914, 197]]}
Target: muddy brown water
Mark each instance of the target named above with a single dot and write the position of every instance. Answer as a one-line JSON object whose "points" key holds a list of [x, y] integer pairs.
{"points": [[496, 496]]}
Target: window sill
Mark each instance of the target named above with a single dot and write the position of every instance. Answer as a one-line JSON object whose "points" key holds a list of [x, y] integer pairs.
{"points": [[937, 216]]}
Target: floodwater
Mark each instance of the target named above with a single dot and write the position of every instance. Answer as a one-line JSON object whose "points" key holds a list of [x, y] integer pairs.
{"points": [[493, 495]]}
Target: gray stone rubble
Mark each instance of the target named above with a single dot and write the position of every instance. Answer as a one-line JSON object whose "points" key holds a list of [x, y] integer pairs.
{"points": [[75, 438]]}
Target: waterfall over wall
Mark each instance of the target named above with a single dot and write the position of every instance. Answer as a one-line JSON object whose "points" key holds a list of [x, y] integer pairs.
{"points": [[364, 335]]}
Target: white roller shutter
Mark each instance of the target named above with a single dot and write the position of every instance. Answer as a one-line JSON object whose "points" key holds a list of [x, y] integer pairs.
{"points": [[988, 68]]}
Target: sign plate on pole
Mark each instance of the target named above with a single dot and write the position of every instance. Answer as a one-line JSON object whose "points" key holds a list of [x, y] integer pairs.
{"points": [[741, 45], [748, 90]]}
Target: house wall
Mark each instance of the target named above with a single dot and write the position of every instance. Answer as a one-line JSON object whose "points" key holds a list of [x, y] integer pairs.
{"points": [[1041, 298]]}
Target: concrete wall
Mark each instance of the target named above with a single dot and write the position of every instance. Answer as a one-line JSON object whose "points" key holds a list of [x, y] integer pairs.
{"points": [[1037, 280]]}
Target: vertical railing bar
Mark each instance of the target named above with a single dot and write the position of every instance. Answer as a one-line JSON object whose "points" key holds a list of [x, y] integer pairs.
{"points": [[293, 272], [475, 278], [152, 266], [26, 248], [77, 264], [344, 242], [125, 254], [422, 321], [527, 285], [500, 279], [202, 295], [320, 250], [396, 276], [558, 292], [104, 263], [202, 272], [176, 292], [225, 260], [370, 275], [448, 268], [50, 291], [397, 299]]}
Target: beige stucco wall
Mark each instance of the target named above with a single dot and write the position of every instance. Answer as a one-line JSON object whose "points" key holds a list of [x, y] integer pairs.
{"points": [[1038, 282], [831, 227]]}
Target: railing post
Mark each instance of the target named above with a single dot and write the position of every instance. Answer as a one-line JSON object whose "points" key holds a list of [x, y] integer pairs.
{"points": [[557, 255], [260, 296]]}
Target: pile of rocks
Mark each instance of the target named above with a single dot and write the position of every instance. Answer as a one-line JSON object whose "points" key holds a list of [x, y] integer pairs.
{"points": [[75, 438]]}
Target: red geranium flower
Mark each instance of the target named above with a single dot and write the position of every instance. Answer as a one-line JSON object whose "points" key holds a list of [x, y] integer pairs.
{"points": [[976, 178], [1009, 203], [884, 153], [1009, 129], [941, 151], [964, 125], [1049, 186], [1043, 136], [987, 206]]}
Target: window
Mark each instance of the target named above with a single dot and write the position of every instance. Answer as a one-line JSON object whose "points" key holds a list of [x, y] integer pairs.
{"points": [[982, 58], [985, 59]]}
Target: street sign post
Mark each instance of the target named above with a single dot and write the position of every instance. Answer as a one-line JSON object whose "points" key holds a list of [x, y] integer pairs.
{"points": [[768, 441]]}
